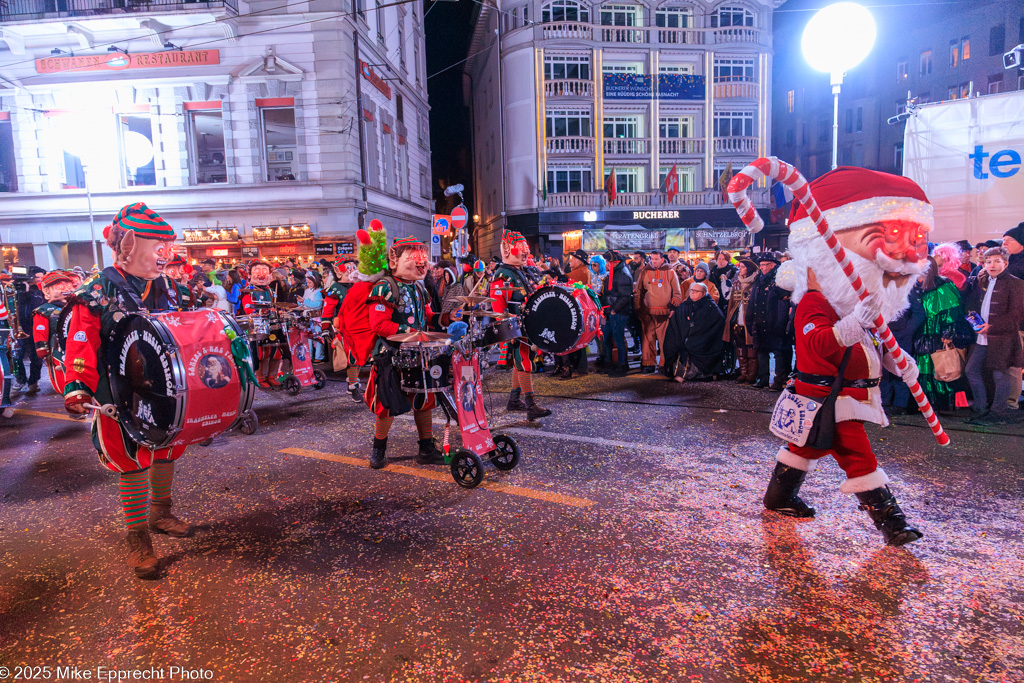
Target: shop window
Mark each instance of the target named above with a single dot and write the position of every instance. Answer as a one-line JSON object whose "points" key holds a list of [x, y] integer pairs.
{"points": [[137, 163], [282, 152], [8, 171], [209, 164]]}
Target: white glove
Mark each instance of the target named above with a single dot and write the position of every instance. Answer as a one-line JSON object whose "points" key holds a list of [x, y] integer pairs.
{"points": [[912, 372], [867, 311]]}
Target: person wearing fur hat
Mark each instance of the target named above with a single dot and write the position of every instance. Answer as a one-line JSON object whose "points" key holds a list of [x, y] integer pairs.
{"points": [[56, 286], [142, 244], [882, 221], [510, 285]]}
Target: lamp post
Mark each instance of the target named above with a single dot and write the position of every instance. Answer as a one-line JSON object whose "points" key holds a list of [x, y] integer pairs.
{"points": [[835, 40]]}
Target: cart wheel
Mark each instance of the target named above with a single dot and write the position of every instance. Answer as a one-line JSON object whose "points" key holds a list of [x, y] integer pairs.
{"points": [[467, 469], [321, 379], [292, 386], [249, 423], [506, 454], [206, 442]]}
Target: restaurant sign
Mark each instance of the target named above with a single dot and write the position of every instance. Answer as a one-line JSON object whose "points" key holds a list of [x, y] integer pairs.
{"points": [[121, 62]]}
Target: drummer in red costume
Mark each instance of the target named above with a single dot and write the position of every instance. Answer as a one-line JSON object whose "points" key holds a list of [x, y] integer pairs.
{"points": [[882, 221], [141, 241], [259, 292], [510, 286], [56, 286]]}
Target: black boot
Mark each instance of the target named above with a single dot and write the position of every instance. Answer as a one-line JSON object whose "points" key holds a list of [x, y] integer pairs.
{"points": [[515, 403], [377, 454], [885, 512], [534, 411], [781, 495], [356, 392], [429, 454]]}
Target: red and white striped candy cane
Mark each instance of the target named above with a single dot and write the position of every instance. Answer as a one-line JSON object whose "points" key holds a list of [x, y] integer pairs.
{"points": [[772, 167]]}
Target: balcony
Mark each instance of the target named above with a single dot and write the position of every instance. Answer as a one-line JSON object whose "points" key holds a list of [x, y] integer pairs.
{"points": [[571, 30], [31, 10], [681, 146], [653, 200], [568, 87], [569, 145], [625, 34], [743, 90], [681, 36], [627, 146], [737, 145], [737, 34]]}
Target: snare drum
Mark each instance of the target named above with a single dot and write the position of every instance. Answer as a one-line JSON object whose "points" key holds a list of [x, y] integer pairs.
{"points": [[174, 378], [424, 368], [501, 331], [560, 319], [255, 327]]}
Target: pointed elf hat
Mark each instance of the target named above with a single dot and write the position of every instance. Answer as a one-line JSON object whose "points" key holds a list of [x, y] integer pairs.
{"points": [[144, 222]]}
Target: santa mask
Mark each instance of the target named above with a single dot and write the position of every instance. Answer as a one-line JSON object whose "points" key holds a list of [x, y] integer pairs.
{"points": [[410, 265], [260, 274]]}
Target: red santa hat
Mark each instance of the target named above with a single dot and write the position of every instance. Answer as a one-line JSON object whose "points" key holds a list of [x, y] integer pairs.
{"points": [[850, 197]]}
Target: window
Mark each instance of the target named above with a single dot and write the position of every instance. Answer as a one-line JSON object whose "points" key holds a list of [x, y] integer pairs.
{"points": [[279, 140], [557, 67], [901, 107], [897, 157], [734, 124], [625, 127], [731, 16], [859, 125], [564, 10], [568, 123], [735, 69], [675, 68], [424, 182], [207, 149], [8, 171], [824, 130], [416, 63], [965, 90], [849, 121], [954, 93], [401, 44], [995, 84], [621, 68], [791, 138], [954, 53], [965, 48], [926, 62], [674, 17], [360, 9], [577, 179], [620, 15], [380, 22], [996, 40], [627, 179], [399, 107], [136, 138], [675, 127], [791, 101], [686, 177], [901, 72]]}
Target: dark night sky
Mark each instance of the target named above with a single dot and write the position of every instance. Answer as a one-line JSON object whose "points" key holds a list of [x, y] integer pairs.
{"points": [[448, 30]]}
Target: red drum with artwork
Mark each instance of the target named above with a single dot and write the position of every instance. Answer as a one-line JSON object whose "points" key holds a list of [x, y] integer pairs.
{"points": [[560, 319], [176, 378]]}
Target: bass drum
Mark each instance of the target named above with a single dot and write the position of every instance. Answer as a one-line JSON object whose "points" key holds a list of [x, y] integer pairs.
{"points": [[174, 378], [560, 319]]}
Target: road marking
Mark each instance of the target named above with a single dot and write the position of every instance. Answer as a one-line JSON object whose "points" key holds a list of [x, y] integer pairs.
{"points": [[52, 416], [444, 476], [632, 445]]}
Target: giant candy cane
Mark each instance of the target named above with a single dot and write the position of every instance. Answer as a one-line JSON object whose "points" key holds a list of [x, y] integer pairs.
{"points": [[772, 167]]}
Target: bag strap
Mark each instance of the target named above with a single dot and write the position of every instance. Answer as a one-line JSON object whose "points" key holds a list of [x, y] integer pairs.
{"points": [[837, 384], [121, 284]]}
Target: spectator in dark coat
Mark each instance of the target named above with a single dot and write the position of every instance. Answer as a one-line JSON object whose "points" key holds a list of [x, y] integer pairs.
{"points": [[904, 329], [693, 340], [769, 320], [1013, 241], [29, 298], [617, 299], [722, 274]]}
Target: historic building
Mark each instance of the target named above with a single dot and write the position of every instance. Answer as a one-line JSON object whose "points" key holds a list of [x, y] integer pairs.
{"points": [[254, 127]]}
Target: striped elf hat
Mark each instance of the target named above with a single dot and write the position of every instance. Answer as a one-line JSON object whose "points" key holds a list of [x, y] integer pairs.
{"points": [[409, 241], [55, 276], [144, 222], [511, 237]]}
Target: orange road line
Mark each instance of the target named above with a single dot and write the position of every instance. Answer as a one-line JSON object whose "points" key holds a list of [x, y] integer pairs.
{"points": [[444, 476], [52, 416]]}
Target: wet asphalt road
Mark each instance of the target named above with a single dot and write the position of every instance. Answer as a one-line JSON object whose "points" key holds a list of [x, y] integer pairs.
{"points": [[630, 545]]}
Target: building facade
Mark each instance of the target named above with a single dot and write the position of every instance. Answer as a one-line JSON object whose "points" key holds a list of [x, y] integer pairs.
{"points": [[580, 111], [255, 128], [920, 56]]}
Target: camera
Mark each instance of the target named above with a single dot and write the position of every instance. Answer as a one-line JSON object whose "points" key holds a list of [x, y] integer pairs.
{"points": [[1012, 59]]}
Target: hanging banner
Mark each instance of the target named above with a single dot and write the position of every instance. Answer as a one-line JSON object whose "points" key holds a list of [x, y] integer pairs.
{"points": [[630, 86], [680, 87], [722, 238], [599, 241], [121, 62]]}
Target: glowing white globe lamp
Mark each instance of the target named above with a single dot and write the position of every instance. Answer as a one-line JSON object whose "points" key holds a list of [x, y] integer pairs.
{"points": [[836, 39]]}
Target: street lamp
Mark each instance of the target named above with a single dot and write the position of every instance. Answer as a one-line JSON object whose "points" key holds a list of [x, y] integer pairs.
{"points": [[835, 40]]}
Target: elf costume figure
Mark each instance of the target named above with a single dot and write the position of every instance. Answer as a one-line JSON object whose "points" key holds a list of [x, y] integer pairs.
{"points": [[179, 271], [510, 285], [141, 242], [256, 300], [882, 221], [56, 286]]}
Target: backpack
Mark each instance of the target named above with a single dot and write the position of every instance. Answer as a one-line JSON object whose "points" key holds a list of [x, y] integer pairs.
{"points": [[353, 321]]}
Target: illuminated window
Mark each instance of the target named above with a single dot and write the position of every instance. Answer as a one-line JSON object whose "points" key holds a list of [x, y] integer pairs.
{"points": [[570, 179], [137, 163], [791, 100], [279, 140], [674, 17], [8, 171], [965, 48], [724, 17], [627, 179], [558, 67], [901, 72], [207, 154], [926, 62], [620, 15], [564, 10]]}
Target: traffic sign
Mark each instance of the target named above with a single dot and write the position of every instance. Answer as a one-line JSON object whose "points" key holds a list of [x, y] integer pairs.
{"points": [[441, 224], [459, 217], [435, 245]]}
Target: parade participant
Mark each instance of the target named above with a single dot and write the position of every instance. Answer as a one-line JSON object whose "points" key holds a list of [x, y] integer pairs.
{"points": [[510, 285], [29, 297], [56, 286], [882, 221], [655, 294], [179, 271], [254, 301], [397, 304], [141, 242]]}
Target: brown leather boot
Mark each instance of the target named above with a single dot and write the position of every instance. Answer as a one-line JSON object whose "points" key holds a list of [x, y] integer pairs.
{"points": [[163, 522], [140, 554]]}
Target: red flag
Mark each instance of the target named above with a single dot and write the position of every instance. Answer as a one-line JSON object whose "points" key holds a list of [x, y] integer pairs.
{"points": [[672, 183], [609, 186]]}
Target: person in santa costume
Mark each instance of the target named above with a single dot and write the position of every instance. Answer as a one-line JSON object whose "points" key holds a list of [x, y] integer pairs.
{"points": [[510, 285], [882, 221]]}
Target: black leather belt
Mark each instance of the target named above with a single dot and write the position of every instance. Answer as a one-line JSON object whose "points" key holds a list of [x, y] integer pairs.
{"points": [[826, 381]]}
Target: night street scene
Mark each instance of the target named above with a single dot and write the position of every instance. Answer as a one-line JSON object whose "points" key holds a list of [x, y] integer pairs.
{"points": [[512, 341]]}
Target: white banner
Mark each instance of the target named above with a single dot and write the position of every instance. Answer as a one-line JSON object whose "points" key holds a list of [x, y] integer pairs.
{"points": [[967, 156]]}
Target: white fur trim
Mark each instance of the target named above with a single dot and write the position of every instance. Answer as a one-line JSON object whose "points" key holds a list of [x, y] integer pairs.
{"points": [[848, 408], [871, 210], [791, 459], [869, 482]]}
